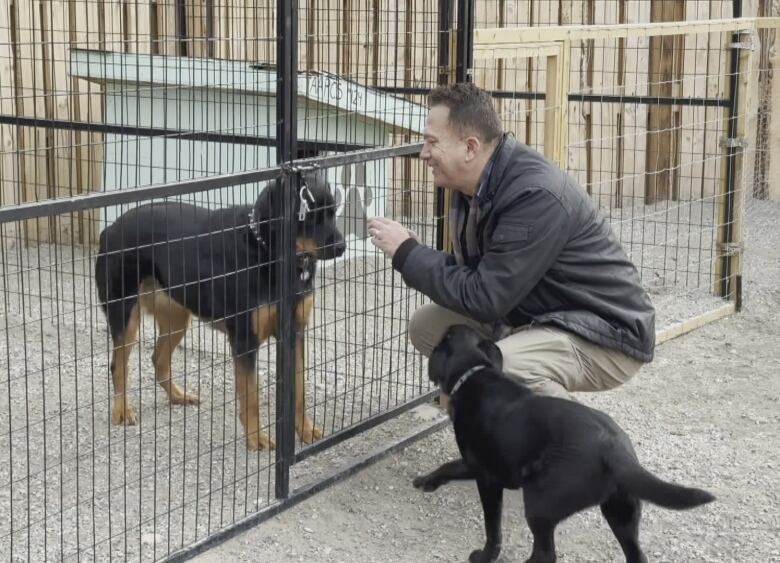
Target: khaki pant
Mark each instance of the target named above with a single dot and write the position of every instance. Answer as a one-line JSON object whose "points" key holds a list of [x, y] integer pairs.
{"points": [[550, 361]]}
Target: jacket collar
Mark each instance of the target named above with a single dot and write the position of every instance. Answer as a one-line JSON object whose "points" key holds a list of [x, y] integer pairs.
{"points": [[498, 164]]}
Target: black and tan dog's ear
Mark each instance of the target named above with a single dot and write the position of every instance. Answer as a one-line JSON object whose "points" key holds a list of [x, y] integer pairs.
{"points": [[269, 203], [317, 178], [493, 353]]}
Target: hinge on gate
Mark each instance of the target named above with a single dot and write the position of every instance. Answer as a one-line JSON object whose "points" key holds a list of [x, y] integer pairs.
{"points": [[730, 248], [734, 143]]}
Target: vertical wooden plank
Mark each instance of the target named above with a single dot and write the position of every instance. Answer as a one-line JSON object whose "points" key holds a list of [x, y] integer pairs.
{"points": [[620, 76], [309, 61], [552, 102], [587, 107], [730, 230], [328, 22], [60, 144], [113, 25], [345, 37], [694, 84], [602, 126], [544, 14], [168, 26], [773, 128], [140, 27], [763, 149], [30, 103], [10, 181], [86, 29], [635, 115], [716, 87], [665, 69], [486, 72], [222, 29], [376, 41], [409, 68], [571, 13], [196, 28]]}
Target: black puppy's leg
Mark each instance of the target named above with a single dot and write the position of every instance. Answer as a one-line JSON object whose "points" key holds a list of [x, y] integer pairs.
{"points": [[623, 513], [491, 496], [451, 471], [543, 531]]}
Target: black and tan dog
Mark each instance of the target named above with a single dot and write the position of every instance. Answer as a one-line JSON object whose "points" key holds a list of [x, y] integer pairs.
{"points": [[174, 260], [564, 456]]}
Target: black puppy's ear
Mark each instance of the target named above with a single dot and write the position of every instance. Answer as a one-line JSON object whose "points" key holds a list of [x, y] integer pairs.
{"points": [[493, 353]]}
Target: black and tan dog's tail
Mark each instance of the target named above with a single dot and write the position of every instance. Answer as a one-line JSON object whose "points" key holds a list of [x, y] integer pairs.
{"points": [[642, 484], [101, 272]]}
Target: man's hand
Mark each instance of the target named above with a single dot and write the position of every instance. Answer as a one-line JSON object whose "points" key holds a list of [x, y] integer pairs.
{"points": [[387, 235]]}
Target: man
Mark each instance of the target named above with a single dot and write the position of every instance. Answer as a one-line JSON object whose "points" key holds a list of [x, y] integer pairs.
{"points": [[535, 266]]}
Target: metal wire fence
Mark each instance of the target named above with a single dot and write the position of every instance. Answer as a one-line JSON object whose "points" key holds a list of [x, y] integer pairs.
{"points": [[115, 108]]}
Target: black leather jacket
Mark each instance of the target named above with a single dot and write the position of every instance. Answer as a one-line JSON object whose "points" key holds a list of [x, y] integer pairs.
{"points": [[547, 257]]}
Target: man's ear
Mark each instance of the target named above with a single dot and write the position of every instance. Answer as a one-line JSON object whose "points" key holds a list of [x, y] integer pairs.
{"points": [[473, 146], [493, 354]]}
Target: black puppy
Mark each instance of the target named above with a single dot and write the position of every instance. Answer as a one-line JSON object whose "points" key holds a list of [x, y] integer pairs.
{"points": [[174, 260], [565, 456]]}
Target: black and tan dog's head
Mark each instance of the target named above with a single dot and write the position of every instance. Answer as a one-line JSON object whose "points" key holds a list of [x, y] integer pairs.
{"points": [[315, 211], [461, 349]]}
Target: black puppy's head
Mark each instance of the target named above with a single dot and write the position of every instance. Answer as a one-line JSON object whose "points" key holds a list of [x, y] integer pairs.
{"points": [[315, 212], [460, 349]]}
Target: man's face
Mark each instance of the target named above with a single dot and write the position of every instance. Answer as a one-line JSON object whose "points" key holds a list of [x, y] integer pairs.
{"points": [[444, 149]]}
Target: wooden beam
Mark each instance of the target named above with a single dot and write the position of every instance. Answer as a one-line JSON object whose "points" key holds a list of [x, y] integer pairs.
{"points": [[498, 36], [690, 325]]}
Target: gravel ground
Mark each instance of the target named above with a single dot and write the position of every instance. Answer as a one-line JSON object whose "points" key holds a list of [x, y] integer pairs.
{"points": [[74, 487], [705, 412]]}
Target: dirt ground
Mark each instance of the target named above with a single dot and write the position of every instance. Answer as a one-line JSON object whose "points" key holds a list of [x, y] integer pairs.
{"points": [[706, 412]]}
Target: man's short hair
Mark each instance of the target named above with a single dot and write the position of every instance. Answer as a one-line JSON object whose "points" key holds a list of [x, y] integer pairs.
{"points": [[471, 110]]}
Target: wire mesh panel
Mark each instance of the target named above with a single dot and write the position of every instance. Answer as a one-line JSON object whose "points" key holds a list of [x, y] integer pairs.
{"points": [[359, 361], [132, 404], [647, 137], [92, 472]]}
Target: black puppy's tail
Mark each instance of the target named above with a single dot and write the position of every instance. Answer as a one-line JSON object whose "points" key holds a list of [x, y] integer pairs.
{"points": [[639, 482]]}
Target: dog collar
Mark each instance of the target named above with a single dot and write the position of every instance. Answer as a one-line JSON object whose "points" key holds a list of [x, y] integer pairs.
{"points": [[255, 230], [462, 379]]}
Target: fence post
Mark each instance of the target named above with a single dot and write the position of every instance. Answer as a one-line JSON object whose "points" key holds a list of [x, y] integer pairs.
{"points": [[728, 267], [446, 75], [286, 131], [465, 41], [457, 56], [556, 114]]}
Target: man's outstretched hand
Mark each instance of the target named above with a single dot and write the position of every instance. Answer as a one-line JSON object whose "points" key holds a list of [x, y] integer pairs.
{"points": [[387, 235]]}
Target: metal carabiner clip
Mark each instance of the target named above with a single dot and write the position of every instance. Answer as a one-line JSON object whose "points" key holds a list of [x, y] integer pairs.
{"points": [[304, 208]]}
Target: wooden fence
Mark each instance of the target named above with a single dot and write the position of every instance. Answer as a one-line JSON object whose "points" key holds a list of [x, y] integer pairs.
{"points": [[378, 43]]}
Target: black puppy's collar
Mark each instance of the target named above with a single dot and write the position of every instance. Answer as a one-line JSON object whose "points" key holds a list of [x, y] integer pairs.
{"points": [[462, 379]]}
